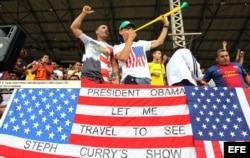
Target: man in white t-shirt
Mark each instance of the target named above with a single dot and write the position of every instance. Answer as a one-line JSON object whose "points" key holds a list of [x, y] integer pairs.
{"points": [[183, 69], [98, 52], [76, 70], [57, 74], [131, 55]]}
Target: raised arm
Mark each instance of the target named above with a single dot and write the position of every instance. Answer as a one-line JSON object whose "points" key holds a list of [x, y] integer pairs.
{"points": [[160, 40], [239, 56], [76, 25]]}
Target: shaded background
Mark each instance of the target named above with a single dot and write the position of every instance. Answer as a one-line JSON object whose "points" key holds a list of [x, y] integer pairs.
{"points": [[47, 25]]}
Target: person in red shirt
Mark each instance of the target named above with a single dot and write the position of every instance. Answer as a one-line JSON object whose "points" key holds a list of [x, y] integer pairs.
{"points": [[42, 69]]}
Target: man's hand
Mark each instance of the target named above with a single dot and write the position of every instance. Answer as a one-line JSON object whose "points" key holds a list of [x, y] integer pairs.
{"points": [[201, 83], [224, 44], [87, 9], [131, 34], [165, 20], [156, 74]]}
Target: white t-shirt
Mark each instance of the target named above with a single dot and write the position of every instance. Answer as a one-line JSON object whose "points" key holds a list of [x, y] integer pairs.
{"points": [[6, 99], [183, 65], [96, 64], [57, 73], [137, 64]]}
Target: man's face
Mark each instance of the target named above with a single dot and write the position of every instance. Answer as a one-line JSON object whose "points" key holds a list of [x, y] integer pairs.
{"points": [[78, 66], [102, 31], [45, 59], [223, 58], [157, 55], [54, 65], [125, 31], [12, 76]]}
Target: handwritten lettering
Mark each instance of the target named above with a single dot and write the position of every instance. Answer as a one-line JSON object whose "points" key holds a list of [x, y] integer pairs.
{"points": [[40, 146], [120, 111], [100, 130], [167, 92], [103, 153], [150, 111], [163, 153], [174, 130], [113, 92], [142, 131]]}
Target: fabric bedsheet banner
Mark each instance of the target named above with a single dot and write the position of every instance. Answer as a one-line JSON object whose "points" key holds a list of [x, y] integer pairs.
{"points": [[108, 121]]}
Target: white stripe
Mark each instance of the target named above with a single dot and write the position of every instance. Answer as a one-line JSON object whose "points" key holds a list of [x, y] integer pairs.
{"points": [[132, 111], [130, 131], [221, 143], [132, 93], [209, 149], [7, 107], [80, 151], [244, 104]]}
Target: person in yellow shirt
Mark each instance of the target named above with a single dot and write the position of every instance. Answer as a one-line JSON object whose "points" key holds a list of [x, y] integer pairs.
{"points": [[28, 73], [157, 69]]}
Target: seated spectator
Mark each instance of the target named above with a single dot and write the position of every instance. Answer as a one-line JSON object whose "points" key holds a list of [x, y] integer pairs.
{"points": [[57, 74], [13, 75], [42, 69], [28, 71], [21, 63], [76, 70], [74, 77]]}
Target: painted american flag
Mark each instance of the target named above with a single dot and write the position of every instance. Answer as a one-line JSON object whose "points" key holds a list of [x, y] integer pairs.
{"points": [[137, 57], [118, 121], [218, 115]]}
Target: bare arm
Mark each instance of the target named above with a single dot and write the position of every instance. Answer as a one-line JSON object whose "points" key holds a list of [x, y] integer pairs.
{"points": [[237, 58], [224, 45], [247, 80], [165, 58], [241, 58], [75, 26], [34, 69], [115, 70], [162, 36]]}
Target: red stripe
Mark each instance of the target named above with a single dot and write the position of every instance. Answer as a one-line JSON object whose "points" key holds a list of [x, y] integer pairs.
{"points": [[9, 152], [200, 149], [247, 93], [217, 150], [132, 102], [117, 142], [132, 121]]}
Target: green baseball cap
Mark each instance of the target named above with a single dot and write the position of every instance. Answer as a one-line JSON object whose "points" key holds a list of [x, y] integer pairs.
{"points": [[125, 24]]}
